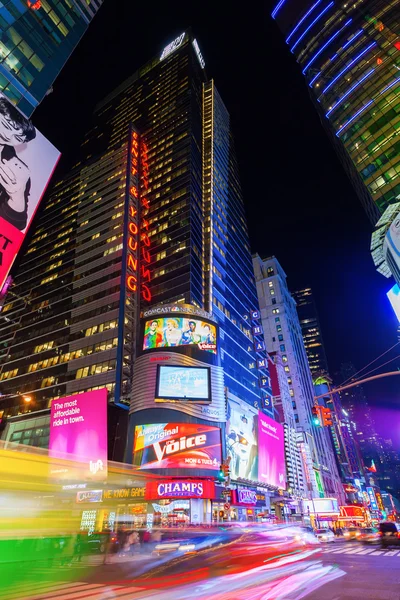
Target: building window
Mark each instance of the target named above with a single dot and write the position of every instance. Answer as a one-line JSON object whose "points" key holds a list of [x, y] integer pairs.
{"points": [[280, 337], [272, 291], [273, 300], [287, 369], [277, 319], [279, 327], [291, 392], [282, 348], [275, 311], [284, 357], [296, 418], [270, 283], [270, 272]]}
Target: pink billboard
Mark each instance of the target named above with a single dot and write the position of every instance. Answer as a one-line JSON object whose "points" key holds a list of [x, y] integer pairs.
{"points": [[271, 452], [78, 431]]}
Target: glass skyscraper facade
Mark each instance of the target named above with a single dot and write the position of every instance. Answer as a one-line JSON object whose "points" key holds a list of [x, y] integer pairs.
{"points": [[349, 54], [70, 323], [37, 38], [311, 329]]}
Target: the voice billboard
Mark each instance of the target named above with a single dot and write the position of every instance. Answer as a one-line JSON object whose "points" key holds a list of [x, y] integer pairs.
{"points": [[78, 432], [177, 446]]}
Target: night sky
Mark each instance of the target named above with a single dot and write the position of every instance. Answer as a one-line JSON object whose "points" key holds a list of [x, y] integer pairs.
{"points": [[300, 205]]}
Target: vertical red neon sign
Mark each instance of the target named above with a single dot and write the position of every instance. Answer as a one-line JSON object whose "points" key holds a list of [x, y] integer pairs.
{"points": [[144, 225], [133, 216]]}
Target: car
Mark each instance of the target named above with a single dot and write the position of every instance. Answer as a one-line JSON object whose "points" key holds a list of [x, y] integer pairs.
{"points": [[352, 533], [324, 535], [389, 534], [368, 535]]}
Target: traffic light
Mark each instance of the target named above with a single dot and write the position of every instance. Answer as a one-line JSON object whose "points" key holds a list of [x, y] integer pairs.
{"points": [[225, 469], [315, 416], [221, 473], [326, 416]]}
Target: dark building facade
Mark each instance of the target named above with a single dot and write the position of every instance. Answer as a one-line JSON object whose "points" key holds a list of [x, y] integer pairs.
{"points": [[349, 55], [311, 330], [151, 214], [37, 39]]}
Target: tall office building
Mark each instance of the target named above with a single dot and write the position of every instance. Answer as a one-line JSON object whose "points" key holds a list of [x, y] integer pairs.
{"points": [[283, 335], [150, 216], [349, 54], [37, 38], [311, 329]]}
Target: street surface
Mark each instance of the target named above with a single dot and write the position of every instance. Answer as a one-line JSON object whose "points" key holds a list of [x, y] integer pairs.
{"points": [[339, 571]]}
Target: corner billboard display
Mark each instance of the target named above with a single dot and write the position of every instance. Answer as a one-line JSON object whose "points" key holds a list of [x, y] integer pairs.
{"points": [[394, 297], [177, 446], [242, 440], [271, 459], [27, 162], [183, 383], [167, 332], [78, 431]]}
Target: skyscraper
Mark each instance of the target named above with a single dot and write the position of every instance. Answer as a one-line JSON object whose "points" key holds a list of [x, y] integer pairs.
{"points": [[350, 55], [151, 215], [283, 335], [37, 38], [311, 330]]}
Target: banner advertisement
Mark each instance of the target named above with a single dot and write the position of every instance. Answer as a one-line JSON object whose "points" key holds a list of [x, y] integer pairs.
{"points": [[177, 446], [271, 462], [27, 161], [78, 431], [180, 488], [242, 440], [167, 332]]}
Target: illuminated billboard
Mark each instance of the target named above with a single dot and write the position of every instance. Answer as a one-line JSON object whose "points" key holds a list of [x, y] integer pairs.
{"points": [[183, 383], [271, 452], [177, 446], [78, 431], [167, 332], [27, 162], [242, 440], [394, 297]]}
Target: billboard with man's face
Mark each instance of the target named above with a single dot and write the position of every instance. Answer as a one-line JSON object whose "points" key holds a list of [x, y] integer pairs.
{"points": [[167, 332], [27, 161], [242, 440]]}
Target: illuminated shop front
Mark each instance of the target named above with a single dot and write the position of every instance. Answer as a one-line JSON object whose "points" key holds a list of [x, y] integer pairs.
{"points": [[241, 504]]}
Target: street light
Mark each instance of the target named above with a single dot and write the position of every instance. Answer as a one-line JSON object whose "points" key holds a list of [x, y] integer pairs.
{"points": [[27, 398]]}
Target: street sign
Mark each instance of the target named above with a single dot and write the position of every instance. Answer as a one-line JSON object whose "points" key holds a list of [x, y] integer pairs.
{"points": [[227, 506], [226, 492]]}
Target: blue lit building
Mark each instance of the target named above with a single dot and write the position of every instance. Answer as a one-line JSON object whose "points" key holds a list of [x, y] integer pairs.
{"points": [[37, 38], [349, 54]]}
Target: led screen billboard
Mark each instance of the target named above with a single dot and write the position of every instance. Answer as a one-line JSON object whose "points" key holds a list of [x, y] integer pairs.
{"points": [[183, 383], [242, 440], [78, 430], [394, 297], [27, 162], [177, 446], [271, 452], [167, 332]]}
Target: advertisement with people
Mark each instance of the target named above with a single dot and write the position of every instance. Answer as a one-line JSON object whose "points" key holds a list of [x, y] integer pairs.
{"points": [[271, 461], [242, 440], [167, 332], [78, 431], [177, 446], [27, 162]]}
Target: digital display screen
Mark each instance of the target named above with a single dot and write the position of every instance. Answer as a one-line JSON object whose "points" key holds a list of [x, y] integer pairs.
{"points": [[394, 297], [167, 332], [177, 445], [183, 383]]}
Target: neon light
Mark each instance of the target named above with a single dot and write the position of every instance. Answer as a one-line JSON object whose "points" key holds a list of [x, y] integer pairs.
{"points": [[352, 39], [354, 116], [313, 23], [349, 91], [277, 7], [390, 85], [348, 67], [325, 45], [301, 20], [312, 80], [172, 46], [144, 224]]}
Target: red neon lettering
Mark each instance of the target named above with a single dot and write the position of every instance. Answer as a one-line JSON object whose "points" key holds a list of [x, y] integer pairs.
{"points": [[132, 262], [135, 152], [135, 135], [133, 191], [145, 255], [145, 225], [145, 239], [145, 274], [135, 143], [145, 203], [135, 161], [133, 228], [134, 171], [131, 282], [132, 244], [146, 294], [145, 183], [132, 211]]}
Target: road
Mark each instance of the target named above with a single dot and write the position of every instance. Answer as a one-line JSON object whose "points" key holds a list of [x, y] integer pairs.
{"points": [[351, 572]]}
